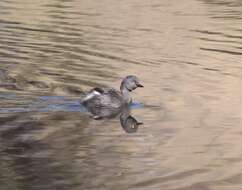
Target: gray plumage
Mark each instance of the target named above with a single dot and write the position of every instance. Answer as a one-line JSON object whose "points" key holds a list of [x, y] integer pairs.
{"points": [[105, 102]]}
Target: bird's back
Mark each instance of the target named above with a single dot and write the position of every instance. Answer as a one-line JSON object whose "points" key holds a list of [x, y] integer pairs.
{"points": [[103, 97], [103, 102]]}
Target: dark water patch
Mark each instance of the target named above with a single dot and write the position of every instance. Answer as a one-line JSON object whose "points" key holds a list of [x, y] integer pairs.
{"points": [[220, 41], [217, 33], [222, 51], [117, 30], [190, 63], [207, 32], [40, 30], [223, 3], [61, 17], [21, 128], [211, 69], [8, 22], [30, 29], [238, 47], [235, 17], [8, 119], [58, 5]]}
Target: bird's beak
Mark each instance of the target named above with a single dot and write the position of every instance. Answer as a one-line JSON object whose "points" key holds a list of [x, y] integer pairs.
{"points": [[140, 85]]}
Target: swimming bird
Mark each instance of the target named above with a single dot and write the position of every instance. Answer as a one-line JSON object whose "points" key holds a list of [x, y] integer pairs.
{"points": [[107, 102]]}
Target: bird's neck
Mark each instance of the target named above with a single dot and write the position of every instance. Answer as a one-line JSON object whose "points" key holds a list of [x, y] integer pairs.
{"points": [[126, 94]]}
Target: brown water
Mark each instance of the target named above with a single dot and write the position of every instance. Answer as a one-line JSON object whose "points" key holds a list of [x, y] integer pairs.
{"points": [[187, 54]]}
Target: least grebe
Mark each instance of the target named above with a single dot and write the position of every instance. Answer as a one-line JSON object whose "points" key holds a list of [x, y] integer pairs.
{"points": [[103, 102]]}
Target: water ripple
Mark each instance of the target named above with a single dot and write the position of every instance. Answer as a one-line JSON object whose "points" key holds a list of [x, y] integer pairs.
{"points": [[187, 54]]}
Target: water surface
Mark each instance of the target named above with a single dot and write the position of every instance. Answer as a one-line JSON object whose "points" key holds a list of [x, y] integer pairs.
{"points": [[187, 54]]}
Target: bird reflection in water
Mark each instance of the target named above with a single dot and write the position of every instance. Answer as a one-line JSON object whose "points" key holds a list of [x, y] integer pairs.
{"points": [[127, 121]]}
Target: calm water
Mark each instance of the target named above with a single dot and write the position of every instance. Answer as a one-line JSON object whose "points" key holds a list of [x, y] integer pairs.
{"points": [[188, 55]]}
